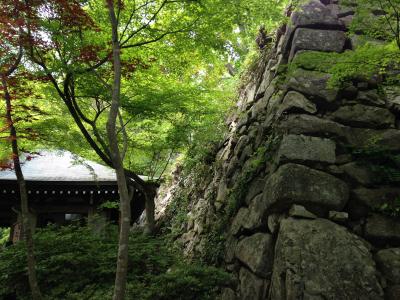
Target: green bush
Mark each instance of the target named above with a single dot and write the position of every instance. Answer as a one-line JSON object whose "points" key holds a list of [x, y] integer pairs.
{"points": [[75, 263]]}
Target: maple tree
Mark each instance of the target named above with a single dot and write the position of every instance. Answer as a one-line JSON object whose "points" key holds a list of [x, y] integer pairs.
{"points": [[11, 51]]}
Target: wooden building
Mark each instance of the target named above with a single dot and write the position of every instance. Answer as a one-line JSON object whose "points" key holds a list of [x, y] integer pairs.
{"points": [[62, 188]]}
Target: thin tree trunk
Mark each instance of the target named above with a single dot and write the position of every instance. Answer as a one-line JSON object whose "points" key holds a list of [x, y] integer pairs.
{"points": [[26, 225], [150, 212], [122, 262]]}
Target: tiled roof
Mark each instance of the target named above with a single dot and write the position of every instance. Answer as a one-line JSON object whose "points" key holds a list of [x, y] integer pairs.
{"points": [[60, 166]]}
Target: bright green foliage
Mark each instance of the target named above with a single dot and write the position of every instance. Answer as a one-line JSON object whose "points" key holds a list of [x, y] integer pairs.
{"points": [[379, 19], [366, 62], [74, 263], [4, 235]]}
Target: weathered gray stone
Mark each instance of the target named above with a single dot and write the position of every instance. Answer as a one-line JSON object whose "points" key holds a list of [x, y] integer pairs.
{"points": [[239, 220], [317, 40], [251, 286], [241, 144], [341, 10], [318, 259], [297, 184], [228, 294], [314, 14], [296, 102], [230, 247], [256, 187], [300, 211], [338, 216], [370, 97], [255, 252], [375, 198], [388, 261], [306, 124], [382, 229], [305, 148], [358, 41], [313, 84], [392, 94], [257, 209], [359, 172], [364, 116], [388, 139], [259, 108], [274, 221], [347, 20]]}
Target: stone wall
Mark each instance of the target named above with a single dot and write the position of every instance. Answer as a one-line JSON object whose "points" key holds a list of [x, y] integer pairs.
{"points": [[298, 180]]}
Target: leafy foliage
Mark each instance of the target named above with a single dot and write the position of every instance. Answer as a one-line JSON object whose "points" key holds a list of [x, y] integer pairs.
{"points": [[363, 64], [75, 263]]}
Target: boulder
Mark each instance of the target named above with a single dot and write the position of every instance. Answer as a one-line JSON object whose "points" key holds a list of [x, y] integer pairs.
{"points": [[228, 294], [313, 84], [256, 187], [382, 229], [255, 218], [375, 198], [361, 173], [388, 139], [273, 222], [298, 184], [305, 148], [256, 253], [338, 216], [251, 286], [318, 259], [388, 261], [313, 14], [239, 220], [299, 211], [358, 41], [311, 125], [370, 97], [392, 94], [296, 102], [364, 116], [317, 40]]}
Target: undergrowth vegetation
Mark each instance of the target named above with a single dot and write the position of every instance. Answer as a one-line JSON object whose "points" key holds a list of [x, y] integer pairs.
{"points": [[75, 263]]}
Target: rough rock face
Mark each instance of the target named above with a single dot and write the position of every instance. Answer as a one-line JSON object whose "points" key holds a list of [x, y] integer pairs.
{"points": [[303, 181], [317, 259]]}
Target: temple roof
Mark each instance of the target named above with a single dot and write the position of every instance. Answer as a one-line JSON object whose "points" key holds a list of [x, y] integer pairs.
{"points": [[61, 166]]}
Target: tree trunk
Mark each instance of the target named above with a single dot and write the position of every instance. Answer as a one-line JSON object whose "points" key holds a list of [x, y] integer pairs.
{"points": [[26, 225], [122, 261]]}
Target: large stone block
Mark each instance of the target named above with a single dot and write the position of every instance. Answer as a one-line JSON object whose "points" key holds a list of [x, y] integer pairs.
{"points": [[364, 116], [314, 85], [317, 40], [298, 184], [312, 125], [375, 198], [382, 229], [318, 259], [388, 261], [256, 253], [251, 286], [296, 102], [392, 94], [303, 148], [313, 14]]}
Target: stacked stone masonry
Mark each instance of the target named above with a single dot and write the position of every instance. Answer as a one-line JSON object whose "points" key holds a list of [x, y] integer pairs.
{"points": [[307, 227]]}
